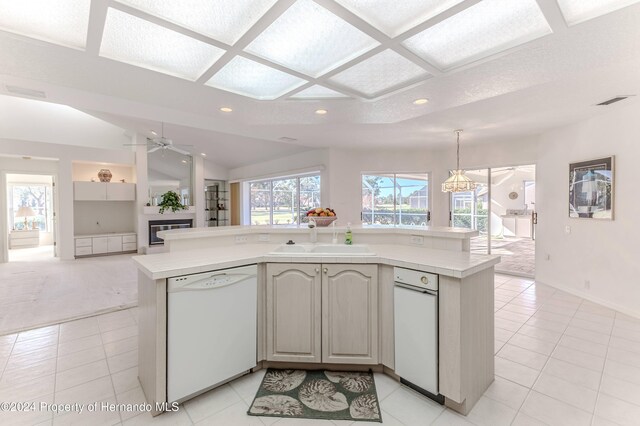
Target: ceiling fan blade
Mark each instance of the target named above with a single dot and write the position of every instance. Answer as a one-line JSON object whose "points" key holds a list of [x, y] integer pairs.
{"points": [[154, 149], [134, 144], [181, 151]]}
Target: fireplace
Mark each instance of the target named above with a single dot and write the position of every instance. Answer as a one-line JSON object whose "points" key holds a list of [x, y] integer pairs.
{"points": [[165, 225]]}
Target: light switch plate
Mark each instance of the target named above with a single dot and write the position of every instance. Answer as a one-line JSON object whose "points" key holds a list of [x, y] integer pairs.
{"points": [[241, 239], [567, 229]]}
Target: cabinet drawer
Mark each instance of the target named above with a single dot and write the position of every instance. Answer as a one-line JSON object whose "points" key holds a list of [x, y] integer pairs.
{"points": [[83, 242], [129, 239], [129, 247], [83, 251]]}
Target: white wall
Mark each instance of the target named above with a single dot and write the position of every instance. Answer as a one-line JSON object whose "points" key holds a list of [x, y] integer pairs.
{"points": [[98, 217], [605, 253], [65, 155]]}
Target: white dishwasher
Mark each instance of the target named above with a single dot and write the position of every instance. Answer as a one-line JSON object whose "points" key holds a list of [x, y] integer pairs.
{"points": [[416, 330], [211, 329]]}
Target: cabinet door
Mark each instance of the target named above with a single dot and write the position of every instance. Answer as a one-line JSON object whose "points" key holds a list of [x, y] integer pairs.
{"points": [[89, 191], [350, 314], [293, 312], [99, 245], [114, 244], [121, 191]]}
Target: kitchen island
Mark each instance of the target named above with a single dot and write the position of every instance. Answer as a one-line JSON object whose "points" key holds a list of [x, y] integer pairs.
{"points": [[465, 300]]}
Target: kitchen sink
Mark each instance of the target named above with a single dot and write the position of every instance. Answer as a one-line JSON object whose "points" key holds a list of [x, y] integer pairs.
{"points": [[323, 250]]}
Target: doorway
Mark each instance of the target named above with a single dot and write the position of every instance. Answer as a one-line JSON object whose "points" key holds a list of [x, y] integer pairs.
{"points": [[30, 217], [502, 210]]}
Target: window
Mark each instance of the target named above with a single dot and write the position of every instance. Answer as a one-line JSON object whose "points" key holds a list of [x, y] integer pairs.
{"points": [[283, 201], [395, 199], [36, 196]]}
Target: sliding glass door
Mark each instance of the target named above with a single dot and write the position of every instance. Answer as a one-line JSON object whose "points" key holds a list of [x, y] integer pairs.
{"points": [[502, 210]]}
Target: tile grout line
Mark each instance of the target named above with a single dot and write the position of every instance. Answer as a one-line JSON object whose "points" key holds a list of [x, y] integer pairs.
{"points": [[602, 373], [106, 360]]}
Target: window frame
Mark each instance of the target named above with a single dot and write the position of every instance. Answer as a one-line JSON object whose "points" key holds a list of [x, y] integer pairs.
{"points": [[270, 181], [395, 174]]}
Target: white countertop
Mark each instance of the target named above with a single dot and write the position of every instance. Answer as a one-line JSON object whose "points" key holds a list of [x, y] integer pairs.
{"points": [[106, 234], [432, 231], [443, 262]]}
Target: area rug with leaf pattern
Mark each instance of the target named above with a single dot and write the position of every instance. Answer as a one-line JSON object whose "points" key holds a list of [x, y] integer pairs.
{"points": [[317, 394]]}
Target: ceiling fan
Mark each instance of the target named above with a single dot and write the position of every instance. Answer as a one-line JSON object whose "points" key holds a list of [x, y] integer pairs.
{"points": [[160, 142]]}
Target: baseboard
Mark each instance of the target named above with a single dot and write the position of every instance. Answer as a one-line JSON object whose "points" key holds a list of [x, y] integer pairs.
{"points": [[591, 298]]}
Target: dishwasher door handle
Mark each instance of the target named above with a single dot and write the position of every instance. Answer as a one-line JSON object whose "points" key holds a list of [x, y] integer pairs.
{"points": [[417, 289]]}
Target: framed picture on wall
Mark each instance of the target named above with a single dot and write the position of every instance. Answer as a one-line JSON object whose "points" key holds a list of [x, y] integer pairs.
{"points": [[591, 189]]}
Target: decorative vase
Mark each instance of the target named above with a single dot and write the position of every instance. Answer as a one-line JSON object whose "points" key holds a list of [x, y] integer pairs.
{"points": [[105, 175]]}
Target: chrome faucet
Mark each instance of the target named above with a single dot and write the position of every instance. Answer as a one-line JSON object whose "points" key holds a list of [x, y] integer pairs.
{"points": [[313, 230]]}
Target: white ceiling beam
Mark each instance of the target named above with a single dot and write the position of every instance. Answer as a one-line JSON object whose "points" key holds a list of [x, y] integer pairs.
{"points": [[97, 17], [167, 24], [552, 13], [265, 20]]}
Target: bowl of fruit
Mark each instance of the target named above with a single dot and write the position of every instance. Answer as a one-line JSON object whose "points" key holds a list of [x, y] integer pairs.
{"points": [[322, 216]]}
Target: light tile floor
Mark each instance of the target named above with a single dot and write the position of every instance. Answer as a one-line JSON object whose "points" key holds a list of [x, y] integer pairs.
{"points": [[560, 360]]}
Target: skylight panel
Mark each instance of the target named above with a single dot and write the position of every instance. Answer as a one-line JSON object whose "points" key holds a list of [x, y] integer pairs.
{"points": [[141, 43], [481, 30], [311, 40], [577, 11], [395, 17], [318, 92], [379, 73], [222, 20], [63, 22], [249, 78]]}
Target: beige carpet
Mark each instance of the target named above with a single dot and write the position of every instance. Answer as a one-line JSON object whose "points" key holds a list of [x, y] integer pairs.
{"points": [[37, 289]]}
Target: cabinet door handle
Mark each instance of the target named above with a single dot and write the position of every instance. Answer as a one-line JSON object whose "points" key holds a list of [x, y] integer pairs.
{"points": [[325, 270], [317, 270]]}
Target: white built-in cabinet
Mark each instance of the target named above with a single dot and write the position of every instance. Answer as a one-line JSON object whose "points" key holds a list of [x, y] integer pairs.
{"points": [[322, 313], [105, 244], [104, 191]]}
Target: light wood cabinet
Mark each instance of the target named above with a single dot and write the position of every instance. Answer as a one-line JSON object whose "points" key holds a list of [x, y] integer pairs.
{"points": [[322, 313], [293, 312], [104, 191], [350, 314]]}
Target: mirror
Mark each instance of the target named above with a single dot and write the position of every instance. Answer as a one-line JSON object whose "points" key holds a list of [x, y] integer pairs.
{"points": [[168, 170]]}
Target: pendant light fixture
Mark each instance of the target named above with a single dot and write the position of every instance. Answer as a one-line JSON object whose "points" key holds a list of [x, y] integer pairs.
{"points": [[458, 182]]}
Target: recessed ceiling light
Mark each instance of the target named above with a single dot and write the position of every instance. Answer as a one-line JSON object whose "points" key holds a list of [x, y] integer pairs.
{"points": [[226, 109], [184, 161], [321, 111], [203, 154], [153, 132], [420, 101]]}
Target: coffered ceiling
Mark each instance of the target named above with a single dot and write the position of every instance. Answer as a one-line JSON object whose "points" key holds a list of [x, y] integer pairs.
{"points": [[275, 62]]}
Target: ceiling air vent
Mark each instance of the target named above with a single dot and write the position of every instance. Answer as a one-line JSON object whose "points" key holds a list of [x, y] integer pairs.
{"points": [[287, 139], [613, 100], [26, 92]]}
